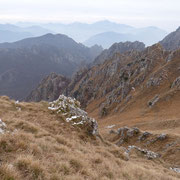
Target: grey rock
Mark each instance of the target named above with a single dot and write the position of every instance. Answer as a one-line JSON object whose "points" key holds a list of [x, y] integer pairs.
{"points": [[176, 83], [126, 133], [70, 109], [153, 101], [144, 136], [147, 153], [175, 169]]}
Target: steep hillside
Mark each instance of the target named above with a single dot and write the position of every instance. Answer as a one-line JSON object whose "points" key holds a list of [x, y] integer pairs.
{"points": [[25, 63], [136, 80], [44, 141], [119, 48], [49, 89], [172, 40]]}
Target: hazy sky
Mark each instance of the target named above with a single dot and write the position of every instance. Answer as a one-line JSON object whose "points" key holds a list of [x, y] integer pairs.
{"points": [[138, 13]]}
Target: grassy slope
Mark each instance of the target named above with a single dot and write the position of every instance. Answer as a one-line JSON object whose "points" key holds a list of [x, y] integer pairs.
{"points": [[41, 146]]}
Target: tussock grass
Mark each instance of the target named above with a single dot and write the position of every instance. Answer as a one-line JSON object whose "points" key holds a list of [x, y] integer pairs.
{"points": [[30, 168], [46, 148], [8, 172]]}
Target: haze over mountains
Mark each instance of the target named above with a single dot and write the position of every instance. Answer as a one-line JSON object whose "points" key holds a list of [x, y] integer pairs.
{"points": [[148, 35], [104, 33], [12, 33]]}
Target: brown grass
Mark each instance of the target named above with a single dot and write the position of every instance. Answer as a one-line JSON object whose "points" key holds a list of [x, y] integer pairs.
{"points": [[44, 147]]}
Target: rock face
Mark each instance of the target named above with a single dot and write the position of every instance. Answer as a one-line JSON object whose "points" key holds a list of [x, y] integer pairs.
{"points": [[70, 109], [25, 63], [116, 82], [49, 89], [172, 41], [119, 48]]}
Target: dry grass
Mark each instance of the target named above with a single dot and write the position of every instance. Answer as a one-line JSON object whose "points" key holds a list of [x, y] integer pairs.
{"points": [[44, 147]]}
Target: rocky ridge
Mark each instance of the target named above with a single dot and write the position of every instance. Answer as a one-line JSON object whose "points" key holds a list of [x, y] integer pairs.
{"points": [[121, 47], [49, 89], [121, 78], [172, 40]]}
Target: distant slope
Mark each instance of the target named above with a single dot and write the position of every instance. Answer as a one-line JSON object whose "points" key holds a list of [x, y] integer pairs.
{"points": [[149, 36], [24, 63], [172, 41]]}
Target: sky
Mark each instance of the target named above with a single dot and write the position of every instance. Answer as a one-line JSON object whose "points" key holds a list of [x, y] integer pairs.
{"points": [[138, 13]]}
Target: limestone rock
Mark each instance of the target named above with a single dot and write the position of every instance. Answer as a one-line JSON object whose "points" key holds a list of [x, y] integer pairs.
{"points": [[70, 109], [2, 127]]}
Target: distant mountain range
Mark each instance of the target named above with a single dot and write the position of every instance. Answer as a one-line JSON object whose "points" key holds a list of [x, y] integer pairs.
{"points": [[149, 36], [12, 33], [80, 32], [24, 63], [104, 33]]}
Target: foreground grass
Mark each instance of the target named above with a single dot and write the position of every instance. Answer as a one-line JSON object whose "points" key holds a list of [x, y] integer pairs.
{"points": [[41, 146]]}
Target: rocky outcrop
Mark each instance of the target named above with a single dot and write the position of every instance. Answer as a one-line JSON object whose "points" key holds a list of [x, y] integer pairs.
{"points": [[121, 47], [70, 109], [172, 41], [49, 88], [127, 135], [144, 143]]}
